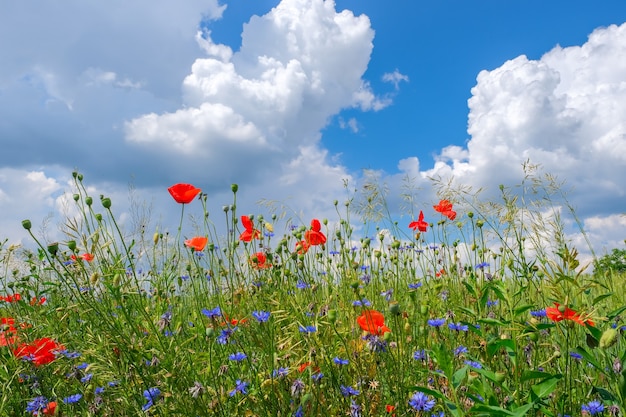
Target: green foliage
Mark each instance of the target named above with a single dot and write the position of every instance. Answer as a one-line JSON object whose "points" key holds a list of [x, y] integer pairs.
{"points": [[614, 262], [152, 327]]}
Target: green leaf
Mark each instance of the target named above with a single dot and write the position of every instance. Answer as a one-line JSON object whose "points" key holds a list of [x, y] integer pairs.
{"points": [[615, 313], [586, 356], [429, 391], [545, 388], [604, 394], [521, 411], [522, 309], [488, 320], [459, 377], [528, 375], [489, 410], [600, 298]]}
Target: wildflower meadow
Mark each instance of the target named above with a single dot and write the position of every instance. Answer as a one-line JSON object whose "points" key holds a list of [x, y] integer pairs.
{"points": [[461, 307]]}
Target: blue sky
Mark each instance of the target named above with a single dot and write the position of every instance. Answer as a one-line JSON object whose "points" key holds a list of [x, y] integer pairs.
{"points": [[134, 94]]}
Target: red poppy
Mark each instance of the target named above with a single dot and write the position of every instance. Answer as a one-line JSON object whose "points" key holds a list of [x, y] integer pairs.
{"points": [[420, 224], [302, 247], [259, 261], [390, 408], [558, 313], [314, 236], [440, 273], [8, 332], [197, 243], [445, 207], [183, 193], [233, 322], [40, 351], [250, 232], [50, 409], [373, 322], [85, 257], [305, 365], [11, 298], [40, 301]]}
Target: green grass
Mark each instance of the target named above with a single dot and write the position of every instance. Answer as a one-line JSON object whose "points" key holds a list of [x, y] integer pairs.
{"points": [[143, 314]]}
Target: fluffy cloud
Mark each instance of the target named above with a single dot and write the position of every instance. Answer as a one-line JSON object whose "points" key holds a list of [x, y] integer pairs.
{"points": [[250, 115]]}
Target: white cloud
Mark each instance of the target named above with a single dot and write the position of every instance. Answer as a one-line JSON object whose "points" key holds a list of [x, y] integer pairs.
{"points": [[395, 78]]}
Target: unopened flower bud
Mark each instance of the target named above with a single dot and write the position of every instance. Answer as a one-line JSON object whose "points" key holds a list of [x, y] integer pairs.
{"points": [[71, 245], [234, 188], [394, 308], [89, 201], [53, 248], [155, 237], [106, 203], [76, 197], [26, 224], [93, 279], [609, 338]]}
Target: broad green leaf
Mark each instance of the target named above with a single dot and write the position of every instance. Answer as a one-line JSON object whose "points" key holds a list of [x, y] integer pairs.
{"points": [[589, 358], [600, 298], [522, 309], [528, 375], [522, 410], [545, 388]]}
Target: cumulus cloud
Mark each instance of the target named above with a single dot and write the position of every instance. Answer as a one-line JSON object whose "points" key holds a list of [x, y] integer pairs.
{"points": [[261, 106]]}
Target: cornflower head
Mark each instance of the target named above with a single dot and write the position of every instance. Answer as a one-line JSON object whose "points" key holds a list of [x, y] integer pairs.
{"points": [[387, 294], [436, 322], [474, 364], [460, 350], [340, 361], [347, 391], [415, 285], [225, 335], [355, 409], [362, 303], [214, 313], [72, 398], [458, 327], [421, 402], [593, 408], [297, 387], [280, 372], [419, 355], [261, 316], [237, 357], [307, 329], [240, 387]]}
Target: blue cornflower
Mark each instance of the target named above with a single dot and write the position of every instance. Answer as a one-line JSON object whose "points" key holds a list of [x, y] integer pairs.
{"points": [[492, 303], [86, 378], [458, 327], [261, 316], [365, 278], [299, 412], [576, 355], [214, 313], [415, 285], [436, 322], [375, 343], [99, 390], [240, 387], [538, 313], [225, 335], [83, 365], [151, 395], [307, 329], [419, 355], [237, 357], [340, 361], [72, 399], [421, 402], [301, 285], [355, 409], [474, 364], [460, 350], [348, 391], [387, 294], [69, 355], [362, 303], [482, 265], [593, 408], [280, 372], [37, 404], [317, 377]]}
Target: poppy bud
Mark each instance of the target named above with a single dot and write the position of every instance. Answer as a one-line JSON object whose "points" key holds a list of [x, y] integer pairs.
{"points": [[480, 223], [88, 201], [609, 338], [98, 217], [71, 245], [117, 278], [234, 188], [355, 285], [394, 308], [423, 309], [225, 208], [106, 203], [325, 222], [562, 308], [395, 244], [155, 238], [335, 203], [93, 279], [74, 174], [26, 224], [80, 177], [332, 315], [53, 248], [76, 197], [470, 214], [500, 376], [209, 331]]}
